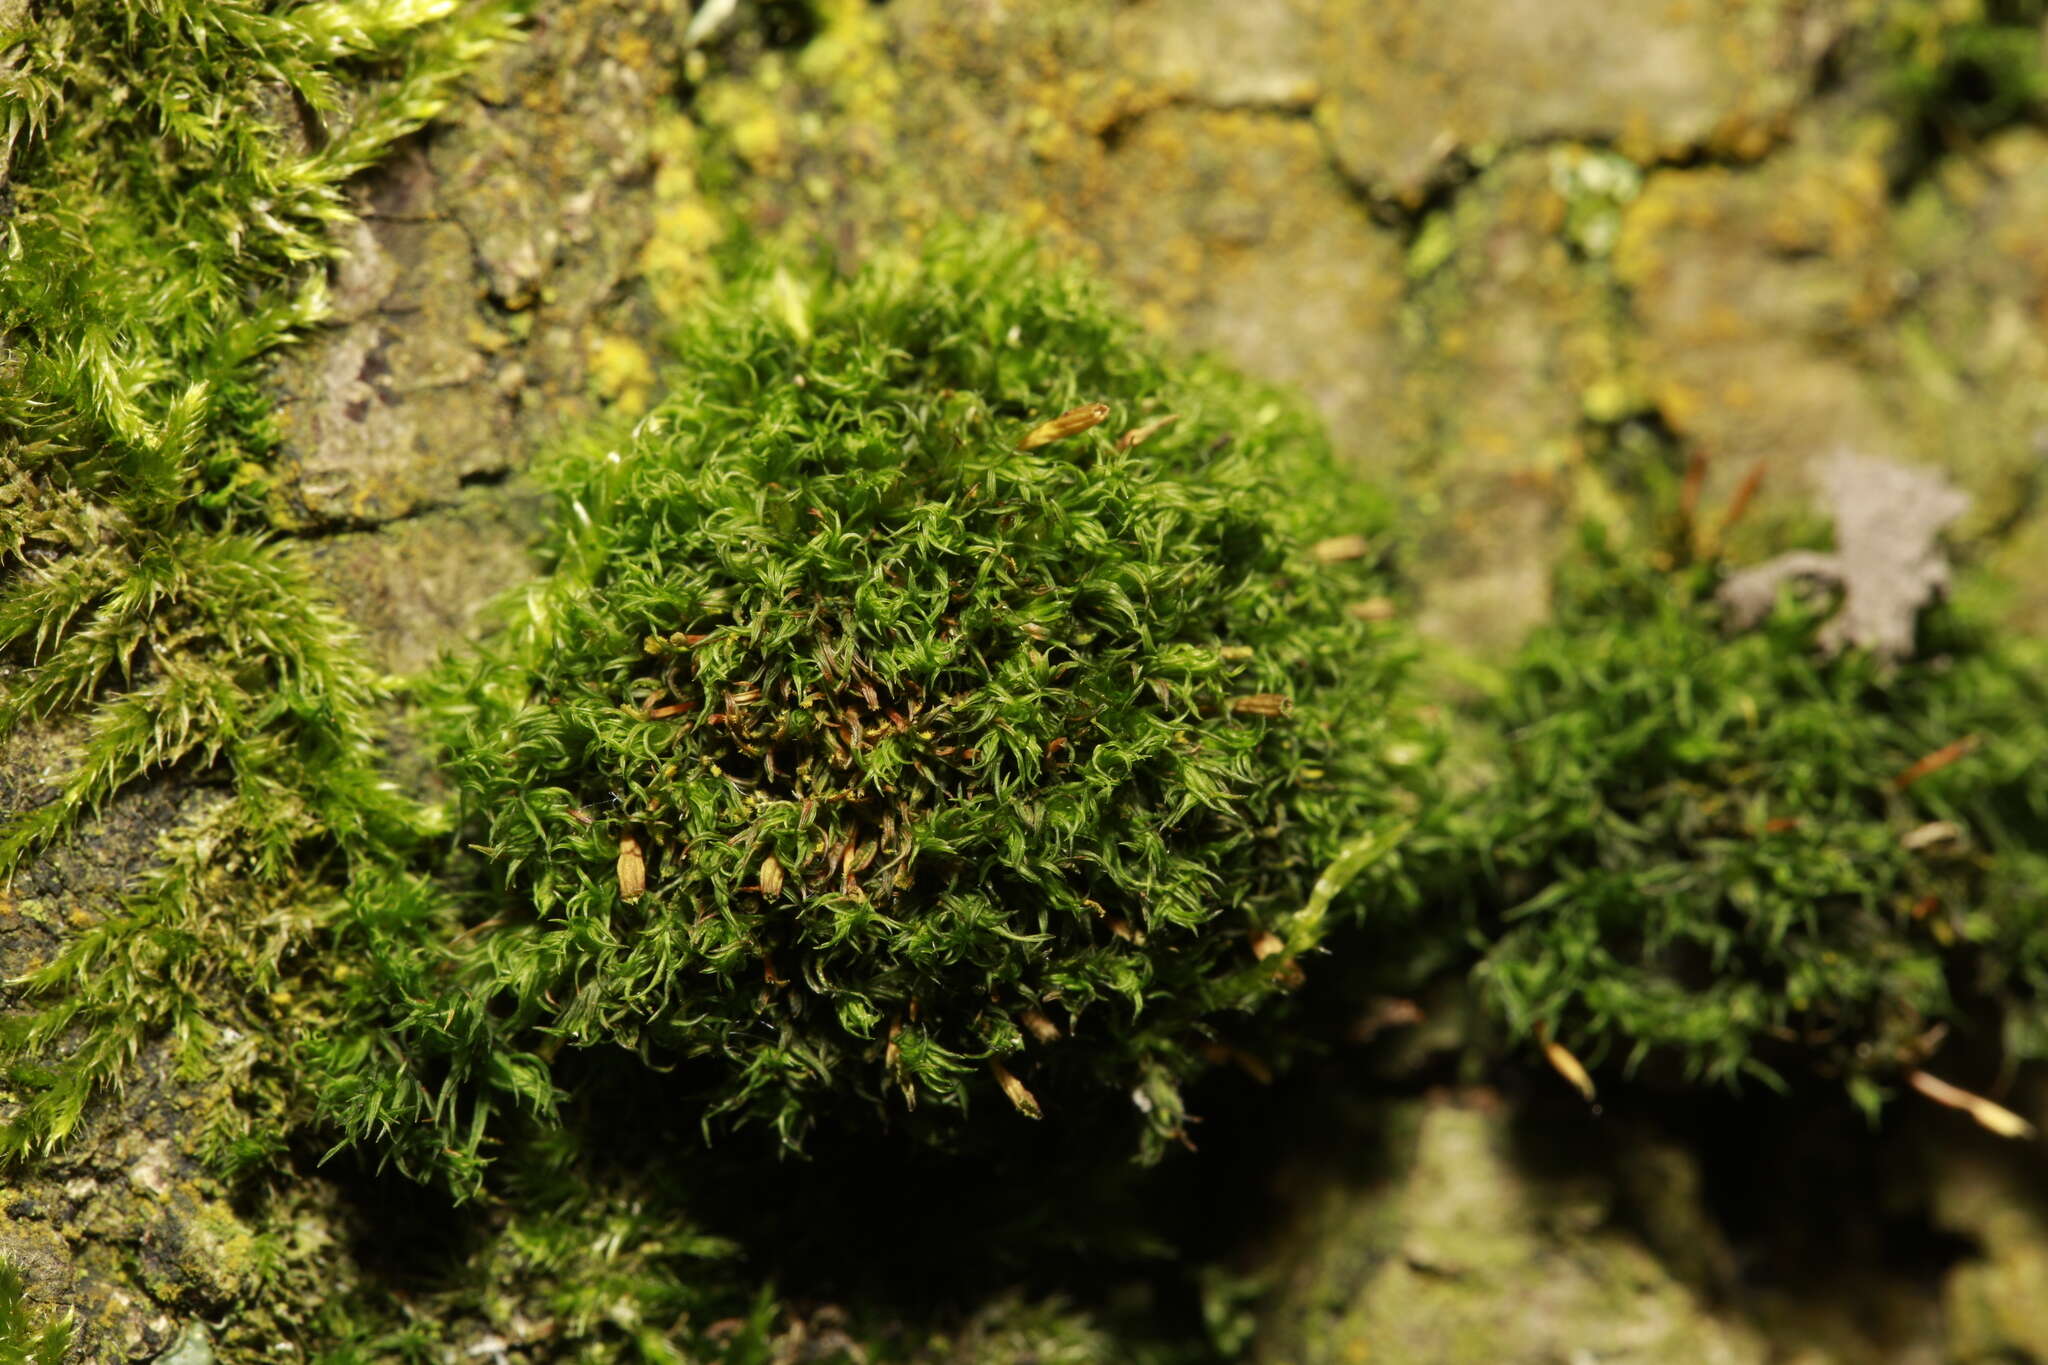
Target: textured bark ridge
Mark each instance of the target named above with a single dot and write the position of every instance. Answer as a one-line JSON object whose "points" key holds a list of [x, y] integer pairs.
{"points": [[1508, 263], [1550, 260]]}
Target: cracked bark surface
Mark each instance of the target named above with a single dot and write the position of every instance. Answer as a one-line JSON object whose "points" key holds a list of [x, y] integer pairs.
{"points": [[123, 1226], [488, 299], [1390, 211]]}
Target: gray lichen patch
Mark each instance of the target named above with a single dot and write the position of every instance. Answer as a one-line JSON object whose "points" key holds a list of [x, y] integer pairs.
{"points": [[1785, 311], [1887, 560]]}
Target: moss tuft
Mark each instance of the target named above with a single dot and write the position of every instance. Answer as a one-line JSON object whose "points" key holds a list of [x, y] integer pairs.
{"points": [[1958, 72], [1731, 853], [871, 742]]}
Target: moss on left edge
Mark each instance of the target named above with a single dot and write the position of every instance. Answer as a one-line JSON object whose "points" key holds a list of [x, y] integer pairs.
{"points": [[197, 713]]}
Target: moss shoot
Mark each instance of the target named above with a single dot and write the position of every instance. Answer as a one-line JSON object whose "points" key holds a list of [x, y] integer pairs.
{"points": [[28, 1337], [881, 735]]}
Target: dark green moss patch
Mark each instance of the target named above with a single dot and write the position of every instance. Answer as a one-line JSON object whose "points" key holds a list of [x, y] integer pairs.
{"points": [[1729, 852]]}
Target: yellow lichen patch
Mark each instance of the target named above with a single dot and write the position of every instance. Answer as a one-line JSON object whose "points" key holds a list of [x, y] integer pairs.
{"points": [[621, 372], [751, 118], [850, 55], [757, 135], [676, 259]]}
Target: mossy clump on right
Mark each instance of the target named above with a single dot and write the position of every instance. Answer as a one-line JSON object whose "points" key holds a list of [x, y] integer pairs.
{"points": [[1733, 853], [883, 736]]}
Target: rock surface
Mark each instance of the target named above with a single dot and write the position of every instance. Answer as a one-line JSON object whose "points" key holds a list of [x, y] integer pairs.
{"points": [[1447, 1240]]}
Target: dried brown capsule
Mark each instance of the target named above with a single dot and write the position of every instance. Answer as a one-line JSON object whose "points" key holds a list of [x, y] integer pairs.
{"points": [[1373, 609], [1072, 422], [1026, 1102], [1565, 1064], [1339, 549], [1140, 435], [1039, 1026], [1995, 1117], [632, 869], [1936, 761]]}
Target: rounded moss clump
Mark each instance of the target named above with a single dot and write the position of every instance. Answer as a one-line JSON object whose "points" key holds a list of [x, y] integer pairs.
{"points": [[1732, 852], [884, 734]]}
